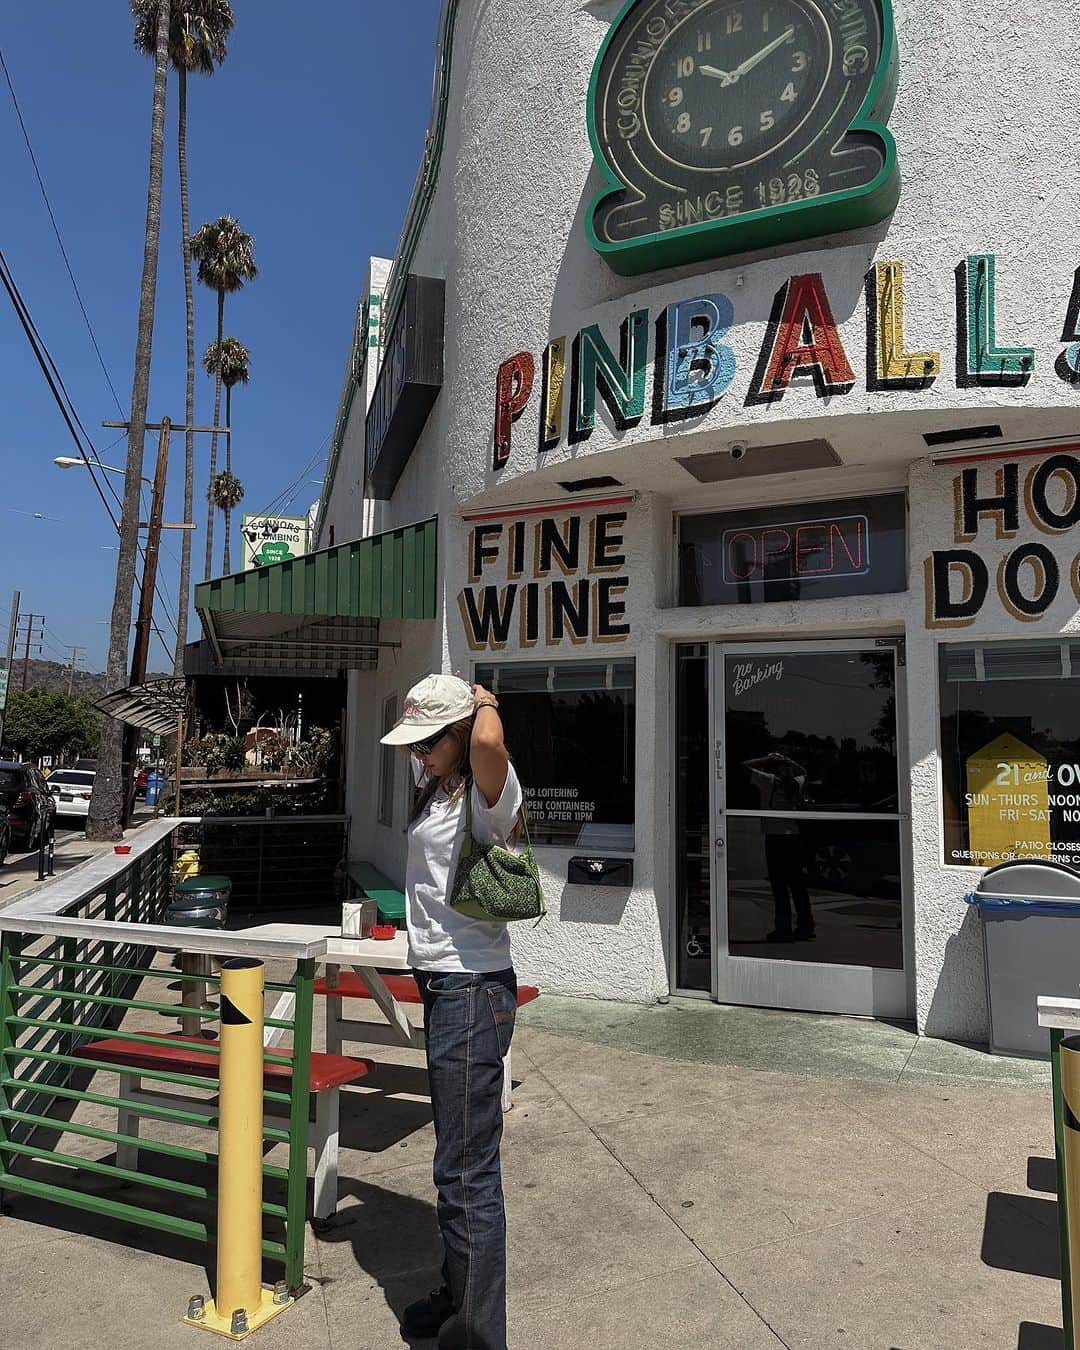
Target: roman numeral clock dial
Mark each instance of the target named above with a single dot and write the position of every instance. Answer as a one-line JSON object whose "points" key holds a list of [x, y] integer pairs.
{"points": [[730, 125]]}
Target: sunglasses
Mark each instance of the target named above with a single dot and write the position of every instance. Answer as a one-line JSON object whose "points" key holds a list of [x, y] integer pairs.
{"points": [[426, 747]]}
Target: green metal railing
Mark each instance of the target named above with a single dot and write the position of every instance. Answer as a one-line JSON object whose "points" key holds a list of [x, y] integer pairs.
{"points": [[272, 860], [59, 993]]}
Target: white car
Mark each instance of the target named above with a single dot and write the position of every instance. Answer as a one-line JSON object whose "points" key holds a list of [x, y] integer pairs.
{"points": [[71, 789]]}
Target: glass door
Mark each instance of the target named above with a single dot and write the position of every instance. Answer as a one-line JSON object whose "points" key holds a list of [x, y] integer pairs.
{"points": [[809, 828]]}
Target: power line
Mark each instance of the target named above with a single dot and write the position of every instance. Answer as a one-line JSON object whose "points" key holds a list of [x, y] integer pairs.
{"points": [[37, 346], [56, 231], [292, 488], [68, 411]]}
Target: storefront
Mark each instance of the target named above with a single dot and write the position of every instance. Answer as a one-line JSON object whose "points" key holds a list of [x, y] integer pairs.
{"points": [[734, 348]]}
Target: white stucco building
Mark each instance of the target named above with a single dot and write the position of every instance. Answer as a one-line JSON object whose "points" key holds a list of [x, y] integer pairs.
{"points": [[771, 555]]}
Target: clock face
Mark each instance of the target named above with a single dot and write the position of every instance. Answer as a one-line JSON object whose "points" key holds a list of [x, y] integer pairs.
{"points": [[735, 81], [750, 122]]}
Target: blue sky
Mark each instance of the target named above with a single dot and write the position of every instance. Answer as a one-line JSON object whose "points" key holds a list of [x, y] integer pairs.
{"points": [[310, 134]]}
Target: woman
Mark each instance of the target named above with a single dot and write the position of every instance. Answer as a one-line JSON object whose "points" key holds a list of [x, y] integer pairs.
{"points": [[455, 736]]}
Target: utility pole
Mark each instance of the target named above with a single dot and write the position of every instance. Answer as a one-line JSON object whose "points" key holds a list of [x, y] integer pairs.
{"points": [[74, 662], [153, 536], [144, 623], [31, 636], [5, 676]]}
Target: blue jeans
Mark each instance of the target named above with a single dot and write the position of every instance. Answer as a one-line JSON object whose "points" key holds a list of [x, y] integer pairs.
{"points": [[469, 1021]]}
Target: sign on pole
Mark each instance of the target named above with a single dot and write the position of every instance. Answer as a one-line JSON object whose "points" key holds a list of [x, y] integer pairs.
{"points": [[3, 690], [273, 539]]}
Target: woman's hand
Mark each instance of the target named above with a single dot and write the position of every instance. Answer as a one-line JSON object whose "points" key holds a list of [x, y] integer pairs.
{"points": [[484, 698]]}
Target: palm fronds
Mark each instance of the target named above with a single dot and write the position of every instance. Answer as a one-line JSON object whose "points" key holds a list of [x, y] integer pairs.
{"points": [[230, 359], [198, 30], [226, 491], [225, 255]]}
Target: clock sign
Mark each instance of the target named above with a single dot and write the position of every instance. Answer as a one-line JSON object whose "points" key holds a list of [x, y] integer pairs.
{"points": [[724, 126]]}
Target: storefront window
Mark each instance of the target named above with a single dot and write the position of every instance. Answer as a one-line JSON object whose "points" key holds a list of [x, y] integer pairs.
{"points": [[815, 551], [1010, 752], [570, 731]]}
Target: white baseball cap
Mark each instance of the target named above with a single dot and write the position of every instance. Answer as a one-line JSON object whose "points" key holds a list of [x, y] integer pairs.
{"points": [[436, 702]]}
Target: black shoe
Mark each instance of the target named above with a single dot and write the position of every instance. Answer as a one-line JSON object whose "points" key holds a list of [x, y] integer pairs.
{"points": [[805, 935], [779, 935], [424, 1317]]}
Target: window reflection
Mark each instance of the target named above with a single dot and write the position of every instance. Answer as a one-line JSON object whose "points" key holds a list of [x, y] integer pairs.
{"points": [[827, 892], [828, 722]]}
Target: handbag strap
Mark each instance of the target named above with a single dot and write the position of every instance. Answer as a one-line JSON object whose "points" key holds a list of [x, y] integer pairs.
{"points": [[467, 842]]}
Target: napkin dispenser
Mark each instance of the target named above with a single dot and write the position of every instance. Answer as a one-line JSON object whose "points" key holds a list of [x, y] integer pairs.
{"points": [[583, 871], [358, 917]]}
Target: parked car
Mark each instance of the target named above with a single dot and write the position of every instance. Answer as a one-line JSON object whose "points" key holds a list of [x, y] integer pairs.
{"points": [[71, 790], [25, 796]]}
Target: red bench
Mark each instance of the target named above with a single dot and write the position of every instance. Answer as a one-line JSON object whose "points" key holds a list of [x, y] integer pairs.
{"points": [[402, 989], [189, 1055]]}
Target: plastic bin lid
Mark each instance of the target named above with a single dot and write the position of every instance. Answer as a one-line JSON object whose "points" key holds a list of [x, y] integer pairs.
{"points": [[195, 885], [1032, 884]]}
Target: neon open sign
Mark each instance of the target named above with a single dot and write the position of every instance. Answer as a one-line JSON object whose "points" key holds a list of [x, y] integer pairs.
{"points": [[852, 546], [833, 547]]}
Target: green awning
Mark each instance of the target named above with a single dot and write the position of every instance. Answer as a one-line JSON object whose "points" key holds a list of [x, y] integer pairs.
{"points": [[322, 611]]}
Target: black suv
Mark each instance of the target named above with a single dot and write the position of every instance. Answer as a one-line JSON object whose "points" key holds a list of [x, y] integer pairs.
{"points": [[26, 800]]}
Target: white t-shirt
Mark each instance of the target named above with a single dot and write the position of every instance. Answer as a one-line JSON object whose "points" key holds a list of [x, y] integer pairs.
{"points": [[439, 937]]}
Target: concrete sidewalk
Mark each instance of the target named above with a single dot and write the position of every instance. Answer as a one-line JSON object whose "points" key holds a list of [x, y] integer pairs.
{"points": [[685, 1197]]}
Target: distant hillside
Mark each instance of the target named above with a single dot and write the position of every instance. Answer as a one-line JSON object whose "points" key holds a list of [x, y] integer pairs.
{"points": [[53, 677]]}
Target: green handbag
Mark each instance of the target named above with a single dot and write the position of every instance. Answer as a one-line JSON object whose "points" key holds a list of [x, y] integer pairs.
{"points": [[491, 882]]}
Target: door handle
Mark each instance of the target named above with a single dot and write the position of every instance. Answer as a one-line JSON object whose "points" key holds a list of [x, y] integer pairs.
{"points": [[719, 845]]}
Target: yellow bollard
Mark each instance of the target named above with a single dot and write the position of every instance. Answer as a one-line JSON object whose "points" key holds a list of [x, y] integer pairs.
{"points": [[242, 1304], [1070, 1091]]}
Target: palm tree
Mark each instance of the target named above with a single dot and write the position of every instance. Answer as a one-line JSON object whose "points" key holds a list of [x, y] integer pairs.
{"points": [[226, 258], [108, 805], [226, 492], [231, 361], [197, 33]]}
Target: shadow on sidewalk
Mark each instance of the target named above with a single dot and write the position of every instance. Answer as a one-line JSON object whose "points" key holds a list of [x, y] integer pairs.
{"points": [[1021, 1234], [394, 1238], [1038, 1336]]}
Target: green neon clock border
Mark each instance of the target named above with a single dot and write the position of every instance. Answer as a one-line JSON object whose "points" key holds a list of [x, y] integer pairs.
{"points": [[770, 226]]}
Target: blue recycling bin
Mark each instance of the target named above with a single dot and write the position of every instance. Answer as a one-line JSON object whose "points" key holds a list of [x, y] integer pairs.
{"points": [[155, 785]]}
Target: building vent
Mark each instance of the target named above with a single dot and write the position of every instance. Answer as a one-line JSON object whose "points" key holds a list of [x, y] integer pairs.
{"points": [[961, 435], [753, 461], [589, 484]]}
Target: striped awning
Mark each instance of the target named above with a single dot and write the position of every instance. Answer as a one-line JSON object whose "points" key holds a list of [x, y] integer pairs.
{"points": [[322, 611]]}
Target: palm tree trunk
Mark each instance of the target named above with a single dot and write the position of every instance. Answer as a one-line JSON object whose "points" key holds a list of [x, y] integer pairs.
{"points": [[228, 465], [184, 604], [107, 805], [214, 440]]}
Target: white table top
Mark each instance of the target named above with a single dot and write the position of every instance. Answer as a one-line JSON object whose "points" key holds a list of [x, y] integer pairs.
{"points": [[391, 953]]}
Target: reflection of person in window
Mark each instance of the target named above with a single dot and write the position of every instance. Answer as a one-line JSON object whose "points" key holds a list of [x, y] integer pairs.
{"points": [[780, 782]]}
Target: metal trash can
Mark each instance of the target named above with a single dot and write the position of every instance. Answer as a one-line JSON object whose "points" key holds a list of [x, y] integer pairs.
{"points": [[200, 902], [1031, 943]]}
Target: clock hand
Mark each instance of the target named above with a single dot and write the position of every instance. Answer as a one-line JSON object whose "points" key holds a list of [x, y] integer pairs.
{"points": [[717, 74], [760, 56]]}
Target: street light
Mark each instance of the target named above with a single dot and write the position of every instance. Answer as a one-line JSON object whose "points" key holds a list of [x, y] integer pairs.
{"points": [[70, 462]]}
